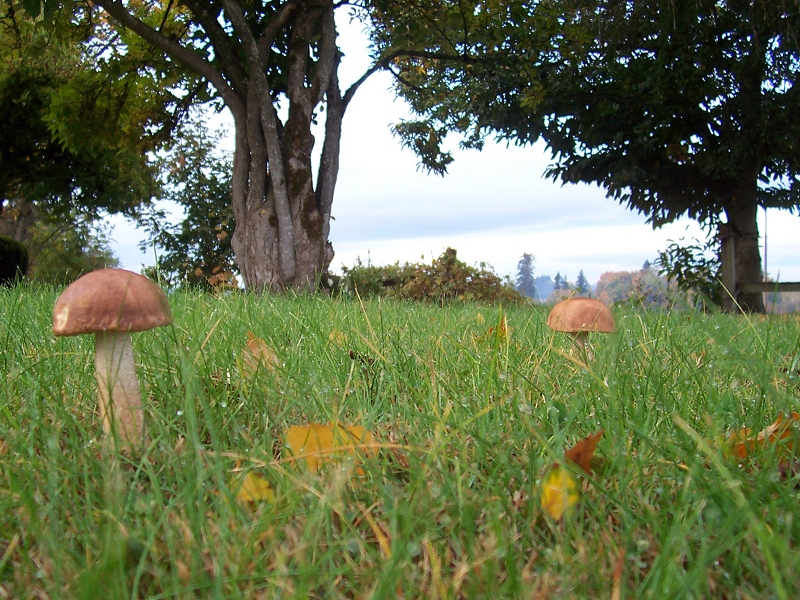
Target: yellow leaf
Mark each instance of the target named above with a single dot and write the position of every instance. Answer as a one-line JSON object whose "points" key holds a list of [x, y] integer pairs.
{"points": [[559, 492], [337, 338], [256, 354], [252, 488], [320, 443]]}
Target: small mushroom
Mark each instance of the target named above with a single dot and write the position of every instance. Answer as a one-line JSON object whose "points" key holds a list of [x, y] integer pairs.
{"points": [[112, 303], [578, 317]]}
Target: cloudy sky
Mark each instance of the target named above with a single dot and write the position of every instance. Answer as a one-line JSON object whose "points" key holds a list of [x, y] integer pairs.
{"points": [[493, 205]]}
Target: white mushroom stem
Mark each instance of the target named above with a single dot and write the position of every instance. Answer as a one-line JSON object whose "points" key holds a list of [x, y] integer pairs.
{"points": [[581, 341], [118, 390]]}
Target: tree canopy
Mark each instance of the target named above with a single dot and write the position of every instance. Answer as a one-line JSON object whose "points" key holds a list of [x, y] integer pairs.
{"points": [[80, 115], [675, 107]]}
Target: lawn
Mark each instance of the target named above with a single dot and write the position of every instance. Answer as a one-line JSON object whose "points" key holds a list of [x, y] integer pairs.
{"points": [[468, 421]]}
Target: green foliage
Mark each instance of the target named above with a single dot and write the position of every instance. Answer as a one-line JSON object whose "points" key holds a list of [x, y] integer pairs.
{"points": [[13, 261], [197, 180], [63, 251], [695, 269], [81, 111], [444, 280]]}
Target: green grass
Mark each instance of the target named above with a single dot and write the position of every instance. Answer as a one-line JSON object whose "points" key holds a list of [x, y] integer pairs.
{"points": [[480, 418]]}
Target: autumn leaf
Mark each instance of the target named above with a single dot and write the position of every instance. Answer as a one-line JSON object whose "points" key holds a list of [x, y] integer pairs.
{"points": [[252, 488], [582, 452], [559, 492], [320, 443], [502, 330], [784, 427], [256, 354], [337, 338]]}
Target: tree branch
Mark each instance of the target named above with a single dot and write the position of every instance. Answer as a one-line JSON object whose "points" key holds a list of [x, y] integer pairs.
{"points": [[180, 53]]}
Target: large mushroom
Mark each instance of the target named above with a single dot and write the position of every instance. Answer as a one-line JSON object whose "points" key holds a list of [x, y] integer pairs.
{"points": [[580, 316], [112, 303]]}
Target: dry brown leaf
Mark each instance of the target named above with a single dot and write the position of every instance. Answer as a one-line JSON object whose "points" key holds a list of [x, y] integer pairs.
{"points": [[582, 452], [321, 443], [784, 427], [256, 354]]}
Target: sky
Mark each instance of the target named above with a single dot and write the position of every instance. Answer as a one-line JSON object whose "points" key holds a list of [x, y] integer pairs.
{"points": [[492, 206]]}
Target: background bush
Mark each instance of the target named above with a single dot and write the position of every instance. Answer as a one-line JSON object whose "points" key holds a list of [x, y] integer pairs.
{"points": [[445, 279]]}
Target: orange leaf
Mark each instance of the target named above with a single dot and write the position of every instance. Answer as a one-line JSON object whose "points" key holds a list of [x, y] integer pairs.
{"points": [[502, 330], [582, 452], [319, 443], [781, 429], [257, 354]]}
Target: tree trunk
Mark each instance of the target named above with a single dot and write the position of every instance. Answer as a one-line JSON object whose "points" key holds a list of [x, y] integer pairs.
{"points": [[282, 221], [743, 227], [16, 220]]}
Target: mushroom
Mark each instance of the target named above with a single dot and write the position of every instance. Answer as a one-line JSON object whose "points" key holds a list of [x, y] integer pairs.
{"points": [[112, 303], [579, 316]]}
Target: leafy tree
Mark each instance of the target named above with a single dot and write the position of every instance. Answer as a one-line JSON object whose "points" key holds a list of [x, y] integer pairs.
{"points": [[197, 178], [675, 107], [695, 270], [275, 66], [582, 285], [526, 284], [63, 250], [78, 117], [639, 288]]}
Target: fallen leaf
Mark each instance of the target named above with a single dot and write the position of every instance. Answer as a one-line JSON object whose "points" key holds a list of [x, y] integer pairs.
{"points": [[582, 452], [256, 354], [252, 488], [743, 445], [360, 357], [559, 492], [503, 331], [337, 338], [320, 443]]}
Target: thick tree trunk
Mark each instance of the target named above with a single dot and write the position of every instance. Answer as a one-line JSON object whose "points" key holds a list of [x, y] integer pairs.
{"points": [[282, 221], [743, 227]]}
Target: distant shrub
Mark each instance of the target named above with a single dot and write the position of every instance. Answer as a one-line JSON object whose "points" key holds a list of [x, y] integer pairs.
{"points": [[445, 279], [13, 261]]}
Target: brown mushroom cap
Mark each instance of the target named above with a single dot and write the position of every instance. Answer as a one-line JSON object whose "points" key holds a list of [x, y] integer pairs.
{"points": [[110, 300], [579, 315]]}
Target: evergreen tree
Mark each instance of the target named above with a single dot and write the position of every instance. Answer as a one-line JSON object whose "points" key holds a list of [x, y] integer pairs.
{"points": [[525, 279], [646, 266], [558, 282], [582, 284], [565, 283]]}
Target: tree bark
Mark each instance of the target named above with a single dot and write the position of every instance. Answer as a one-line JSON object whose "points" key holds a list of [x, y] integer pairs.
{"points": [[282, 221], [741, 215]]}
